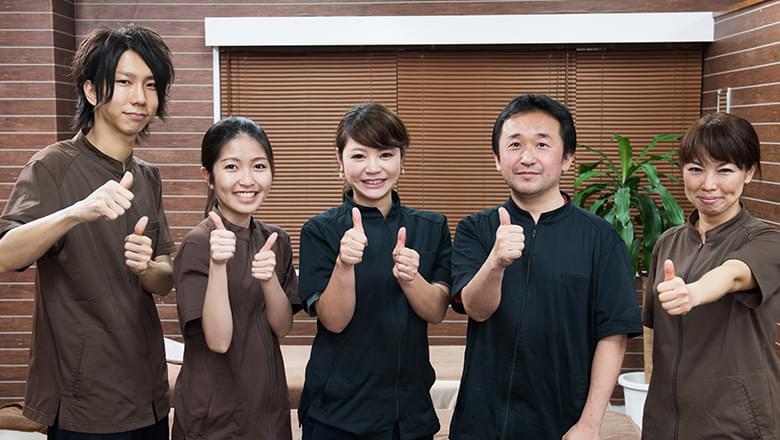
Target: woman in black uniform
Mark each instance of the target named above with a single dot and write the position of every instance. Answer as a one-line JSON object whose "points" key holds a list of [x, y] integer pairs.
{"points": [[375, 273]]}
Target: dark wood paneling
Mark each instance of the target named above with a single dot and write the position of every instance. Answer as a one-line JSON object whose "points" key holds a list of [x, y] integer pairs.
{"points": [[770, 152], [748, 77], [747, 19], [763, 210], [739, 60], [764, 191], [764, 112], [25, 6]]}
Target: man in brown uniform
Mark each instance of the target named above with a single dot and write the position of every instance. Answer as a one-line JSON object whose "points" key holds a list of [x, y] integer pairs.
{"points": [[90, 215]]}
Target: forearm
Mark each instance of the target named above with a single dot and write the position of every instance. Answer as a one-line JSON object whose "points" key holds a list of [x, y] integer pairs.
{"points": [[605, 369], [337, 302], [217, 316], [731, 276], [277, 307], [482, 295], [158, 278], [429, 301], [23, 245]]}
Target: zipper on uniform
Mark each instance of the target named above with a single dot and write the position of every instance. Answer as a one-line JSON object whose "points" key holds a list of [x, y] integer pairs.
{"points": [[679, 349], [526, 251]]}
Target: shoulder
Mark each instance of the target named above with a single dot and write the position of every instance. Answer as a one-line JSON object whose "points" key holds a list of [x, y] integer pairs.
{"points": [[146, 169], [200, 234], [56, 158], [758, 228], [419, 215], [266, 229], [332, 218], [480, 217]]}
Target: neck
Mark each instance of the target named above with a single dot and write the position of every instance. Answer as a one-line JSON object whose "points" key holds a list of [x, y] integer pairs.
{"points": [[383, 205], [536, 205], [111, 143], [707, 223]]}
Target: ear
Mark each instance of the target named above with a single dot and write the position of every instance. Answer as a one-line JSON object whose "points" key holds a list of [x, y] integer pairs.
{"points": [[749, 174], [205, 174], [338, 158], [567, 161], [498, 162], [90, 93]]}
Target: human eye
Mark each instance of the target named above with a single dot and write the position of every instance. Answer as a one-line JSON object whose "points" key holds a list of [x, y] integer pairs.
{"points": [[726, 170], [230, 166], [513, 145], [387, 155], [693, 168], [151, 86], [542, 145], [122, 81], [261, 166], [357, 156]]}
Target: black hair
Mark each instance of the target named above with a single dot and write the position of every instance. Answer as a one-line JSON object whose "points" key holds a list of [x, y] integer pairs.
{"points": [[372, 125], [538, 103], [220, 134], [96, 60], [722, 137]]}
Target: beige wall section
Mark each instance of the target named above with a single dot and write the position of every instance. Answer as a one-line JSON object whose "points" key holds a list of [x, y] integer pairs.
{"points": [[746, 57], [37, 40]]}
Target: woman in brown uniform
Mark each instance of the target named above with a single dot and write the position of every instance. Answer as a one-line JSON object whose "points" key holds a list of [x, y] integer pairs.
{"points": [[715, 299], [235, 284]]}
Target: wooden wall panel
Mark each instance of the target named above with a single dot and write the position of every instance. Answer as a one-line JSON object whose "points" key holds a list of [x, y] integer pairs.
{"points": [[746, 57]]}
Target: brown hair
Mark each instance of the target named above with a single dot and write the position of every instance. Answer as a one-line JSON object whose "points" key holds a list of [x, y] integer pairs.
{"points": [[722, 137], [372, 125]]}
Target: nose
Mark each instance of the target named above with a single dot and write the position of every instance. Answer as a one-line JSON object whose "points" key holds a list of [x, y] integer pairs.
{"points": [[709, 183], [138, 94], [245, 177], [372, 165], [527, 156]]}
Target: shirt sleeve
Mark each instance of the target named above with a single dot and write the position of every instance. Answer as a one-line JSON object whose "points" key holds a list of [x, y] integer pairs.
{"points": [[468, 255], [442, 266], [191, 276], [761, 255], [286, 271], [318, 258], [616, 310], [164, 244], [34, 195]]}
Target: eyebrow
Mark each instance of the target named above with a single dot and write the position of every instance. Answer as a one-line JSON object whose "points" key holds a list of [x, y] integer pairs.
{"points": [[132, 75], [540, 135], [224, 159]]}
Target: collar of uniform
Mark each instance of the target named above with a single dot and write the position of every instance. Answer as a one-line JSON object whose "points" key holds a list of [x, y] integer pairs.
{"points": [[240, 231], [371, 212], [109, 162], [546, 217], [715, 234]]}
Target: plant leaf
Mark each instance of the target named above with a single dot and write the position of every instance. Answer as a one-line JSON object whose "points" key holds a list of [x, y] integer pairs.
{"points": [[656, 139], [594, 208], [626, 151], [585, 167], [651, 173], [580, 196], [585, 177], [623, 205], [673, 210]]}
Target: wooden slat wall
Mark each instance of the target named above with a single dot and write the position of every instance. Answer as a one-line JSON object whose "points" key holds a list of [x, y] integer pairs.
{"points": [[37, 39], [746, 57]]}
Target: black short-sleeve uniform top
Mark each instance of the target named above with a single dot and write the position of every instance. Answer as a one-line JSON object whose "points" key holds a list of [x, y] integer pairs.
{"points": [[97, 361], [527, 368], [377, 371], [241, 394]]}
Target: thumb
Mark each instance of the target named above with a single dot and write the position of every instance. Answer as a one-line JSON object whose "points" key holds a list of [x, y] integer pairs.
{"points": [[270, 242], [216, 220], [668, 270], [503, 216], [127, 180], [357, 220], [140, 227], [401, 243]]}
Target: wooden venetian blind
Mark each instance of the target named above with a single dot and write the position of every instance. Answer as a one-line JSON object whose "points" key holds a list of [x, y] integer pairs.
{"points": [[450, 102], [637, 93], [299, 100]]}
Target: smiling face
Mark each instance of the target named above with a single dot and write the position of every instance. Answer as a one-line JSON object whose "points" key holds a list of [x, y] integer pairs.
{"points": [[531, 157], [241, 178], [371, 173], [714, 188], [134, 102]]}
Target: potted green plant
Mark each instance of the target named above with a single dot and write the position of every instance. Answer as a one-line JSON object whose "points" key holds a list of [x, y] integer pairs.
{"points": [[626, 195]]}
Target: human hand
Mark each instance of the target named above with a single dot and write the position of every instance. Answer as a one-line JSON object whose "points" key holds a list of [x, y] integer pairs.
{"points": [[264, 263], [354, 241], [510, 240], [222, 243], [138, 248], [407, 260], [581, 431], [108, 202], [673, 294]]}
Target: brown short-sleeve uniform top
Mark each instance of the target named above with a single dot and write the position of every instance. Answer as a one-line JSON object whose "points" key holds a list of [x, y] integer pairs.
{"points": [[241, 394], [715, 371], [97, 355]]}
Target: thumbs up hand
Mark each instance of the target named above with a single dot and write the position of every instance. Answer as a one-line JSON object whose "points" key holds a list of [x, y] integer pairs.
{"points": [[138, 248], [510, 240], [354, 241], [407, 260], [264, 263], [222, 243], [673, 294], [108, 202]]}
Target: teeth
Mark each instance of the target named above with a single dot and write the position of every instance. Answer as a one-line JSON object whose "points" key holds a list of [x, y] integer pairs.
{"points": [[246, 194]]}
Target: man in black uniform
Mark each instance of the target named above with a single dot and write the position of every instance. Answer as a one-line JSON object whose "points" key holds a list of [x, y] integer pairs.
{"points": [[548, 290]]}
